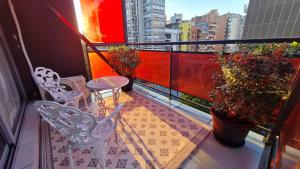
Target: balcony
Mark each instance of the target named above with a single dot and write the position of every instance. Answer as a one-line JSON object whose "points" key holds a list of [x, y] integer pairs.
{"points": [[152, 94], [164, 127], [209, 154]]}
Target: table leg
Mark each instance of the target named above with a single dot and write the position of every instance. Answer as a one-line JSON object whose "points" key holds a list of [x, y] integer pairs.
{"points": [[101, 103], [116, 96]]}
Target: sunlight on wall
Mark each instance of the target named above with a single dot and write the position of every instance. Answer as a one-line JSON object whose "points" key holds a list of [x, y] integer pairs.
{"points": [[79, 16], [101, 21]]}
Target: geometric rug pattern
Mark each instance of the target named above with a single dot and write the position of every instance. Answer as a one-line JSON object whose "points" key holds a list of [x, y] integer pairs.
{"points": [[155, 136]]}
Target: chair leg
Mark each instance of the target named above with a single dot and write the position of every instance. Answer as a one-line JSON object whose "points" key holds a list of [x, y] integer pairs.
{"points": [[116, 137], [115, 129], [70, 156], [120, 121], [85, 102], [75, 102], [99, 155]]}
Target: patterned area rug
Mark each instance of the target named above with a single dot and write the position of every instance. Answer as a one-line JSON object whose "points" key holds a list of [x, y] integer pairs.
{"points": [[155, 136]]}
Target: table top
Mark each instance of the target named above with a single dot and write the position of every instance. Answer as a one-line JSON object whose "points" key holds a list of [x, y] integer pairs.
{"points": [[108, 82]]}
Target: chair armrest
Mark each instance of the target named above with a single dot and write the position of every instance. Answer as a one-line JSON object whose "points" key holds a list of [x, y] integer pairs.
{"points": [[77, 83], [65, 80], [54, 87]]}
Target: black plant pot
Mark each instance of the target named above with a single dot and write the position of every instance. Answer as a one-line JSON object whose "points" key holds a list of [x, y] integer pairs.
{"points": [[128, 87], [229, 133]]}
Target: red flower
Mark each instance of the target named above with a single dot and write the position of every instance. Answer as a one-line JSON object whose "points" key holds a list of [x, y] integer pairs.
{"points": [[278, 52], [231, 114], [237, 57]]}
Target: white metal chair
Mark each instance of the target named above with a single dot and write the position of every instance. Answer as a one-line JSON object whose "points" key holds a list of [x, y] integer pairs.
{"points": [[49, 80], [81, 129]]}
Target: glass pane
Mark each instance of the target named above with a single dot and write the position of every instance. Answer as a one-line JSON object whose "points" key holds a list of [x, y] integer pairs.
{"points": [[191, 73], [10, 102], [292, 135], [4, 151], [98, 67], [289, 144], [2, 146], [103, 20], [154, 67]]}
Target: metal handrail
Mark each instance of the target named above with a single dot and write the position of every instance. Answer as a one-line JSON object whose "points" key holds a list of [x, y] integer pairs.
{"points": [[208, 42]]}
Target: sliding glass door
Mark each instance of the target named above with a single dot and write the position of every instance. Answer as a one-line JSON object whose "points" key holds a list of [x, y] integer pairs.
{"points": [[4, 150], [11, 102]]}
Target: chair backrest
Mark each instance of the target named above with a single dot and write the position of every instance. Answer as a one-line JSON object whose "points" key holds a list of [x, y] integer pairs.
{"points": [[49, 81], [69, 121], [46, 77]]}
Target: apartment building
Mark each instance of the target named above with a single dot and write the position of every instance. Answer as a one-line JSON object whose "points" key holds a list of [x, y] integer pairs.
{"points": [[172, 35], [134, 22], [204, 28], [146, 21], [176, 18], [272, 18], [235, 27], [185, 34]]}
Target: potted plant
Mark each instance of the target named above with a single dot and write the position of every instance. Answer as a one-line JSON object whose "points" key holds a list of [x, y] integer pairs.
{"points": [[124, 61], [249, 88], [293, 50]]}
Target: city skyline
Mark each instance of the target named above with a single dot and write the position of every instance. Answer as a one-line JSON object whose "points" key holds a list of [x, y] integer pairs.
{"points": [[147, 22], [184, 7]]}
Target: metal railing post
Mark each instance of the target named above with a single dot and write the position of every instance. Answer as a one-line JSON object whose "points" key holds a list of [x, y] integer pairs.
{"points": [[171, 73]]}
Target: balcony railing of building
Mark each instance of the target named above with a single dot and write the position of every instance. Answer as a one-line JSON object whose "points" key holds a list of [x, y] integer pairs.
{"points": [[188, 74], [186, 77]]}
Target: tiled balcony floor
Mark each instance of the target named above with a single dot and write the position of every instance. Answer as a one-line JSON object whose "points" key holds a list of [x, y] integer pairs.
{"points": [[209, 155], [154, 136]]}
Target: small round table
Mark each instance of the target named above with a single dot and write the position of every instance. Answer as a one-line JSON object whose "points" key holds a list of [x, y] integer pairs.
{"points": [[113, 83]]}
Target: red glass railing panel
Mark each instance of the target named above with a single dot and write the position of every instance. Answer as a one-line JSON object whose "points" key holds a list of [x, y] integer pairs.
{"points": [[291, 137], [154, 67], [90, 20], [103, 20], [191, 73], [296, 63], [98, 67], [290, 134]]}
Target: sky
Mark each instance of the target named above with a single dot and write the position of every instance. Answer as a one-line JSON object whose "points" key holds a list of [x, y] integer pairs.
{"points": [[191, 8]]}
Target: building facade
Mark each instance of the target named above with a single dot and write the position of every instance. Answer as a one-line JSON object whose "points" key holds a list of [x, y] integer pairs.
{"points": [[221, 27], [174, 21], [272, 18], [205, 27], [176, 18], [172, 35], [185, 34], [234, 30], [134, 21], [146, 21], [154, 22]]}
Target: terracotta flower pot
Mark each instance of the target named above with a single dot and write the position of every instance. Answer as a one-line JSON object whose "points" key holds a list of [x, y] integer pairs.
{"points": [[128, 87], [229, 133]]}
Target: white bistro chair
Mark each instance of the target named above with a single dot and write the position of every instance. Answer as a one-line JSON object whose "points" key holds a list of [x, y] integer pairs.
{"points": [[50, 81], [81, 129]]}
